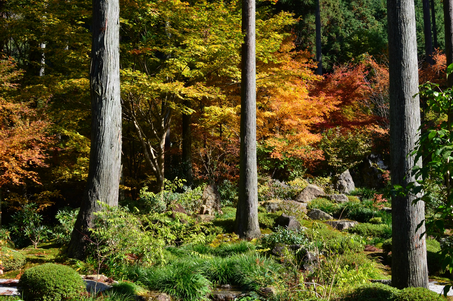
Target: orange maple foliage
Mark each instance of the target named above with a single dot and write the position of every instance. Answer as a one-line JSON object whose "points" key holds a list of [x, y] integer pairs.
{"points": [[22, 134]]}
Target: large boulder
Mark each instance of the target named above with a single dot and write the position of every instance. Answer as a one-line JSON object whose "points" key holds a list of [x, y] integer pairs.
{"points": [[337, 198], [288, 221], [316, 214], [344, 182], [279, 205], [211, 201], [310, 193], [342, 224], [371, 172]]}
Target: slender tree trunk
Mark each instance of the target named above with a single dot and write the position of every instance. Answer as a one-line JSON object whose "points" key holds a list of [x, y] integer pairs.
{"points": [[433, 17], [318, 38], [409, 265], [105, 156], [448, 20], [187, 148], [247, 209], [427, 33]]}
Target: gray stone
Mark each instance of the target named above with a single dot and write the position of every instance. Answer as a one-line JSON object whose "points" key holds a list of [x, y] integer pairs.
{"points": [[279, 205], [338, 198], [317, 214], [96, 287], [211, 201], [342, 224], [288, 221], [344, 182], [370, 172], [267, 292], [309, 193]]}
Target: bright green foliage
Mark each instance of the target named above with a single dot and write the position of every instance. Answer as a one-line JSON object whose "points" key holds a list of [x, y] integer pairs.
{"points": [[50, 282], [67, 218], [417, 294], [11, 259]]}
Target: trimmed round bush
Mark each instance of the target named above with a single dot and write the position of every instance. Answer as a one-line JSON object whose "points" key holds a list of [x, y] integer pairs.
{"points": [[50, 282], [417, 294], [11, 259], [372, 292]]}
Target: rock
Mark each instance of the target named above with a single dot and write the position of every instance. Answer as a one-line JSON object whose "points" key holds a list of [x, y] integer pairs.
{"points": [[278, 249], [344, 182], [204, 218], [288, 221], [226, 294], [309, 261], [96, 287], [342, 224], [317, 214], [267, 292], [278, 205], [309, 193], [338, 198], [157, 296], [370, 172], [211, 201]]}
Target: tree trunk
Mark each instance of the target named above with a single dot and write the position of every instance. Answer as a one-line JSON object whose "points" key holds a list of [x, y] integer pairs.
{"points": [[409, 265], [318, 38], [448, 20], [105, 157], [247, 209], [427, 33], [187, 148], [433, 17]]}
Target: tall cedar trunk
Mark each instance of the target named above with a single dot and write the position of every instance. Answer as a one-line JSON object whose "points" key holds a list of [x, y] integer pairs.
{"points": [[433, 18], [247, 209], [427, 33], [409, 265], [318, 38], [105, 156], [187, 148], [448, 20]]}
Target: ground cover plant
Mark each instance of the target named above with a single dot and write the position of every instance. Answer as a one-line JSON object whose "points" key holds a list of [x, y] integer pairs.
{"points": [[188, 259]]}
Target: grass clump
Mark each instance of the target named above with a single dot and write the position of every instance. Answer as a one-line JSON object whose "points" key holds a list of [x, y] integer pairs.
{"points": [[51, 282]]}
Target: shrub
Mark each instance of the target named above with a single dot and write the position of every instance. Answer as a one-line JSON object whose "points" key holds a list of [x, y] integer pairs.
{"points": [[49, 282], [67, 218], [11, 259], [283, 235], [374, 230], [372, 292], [417, 294], [228, 193], [27, 226], [275, 189]]}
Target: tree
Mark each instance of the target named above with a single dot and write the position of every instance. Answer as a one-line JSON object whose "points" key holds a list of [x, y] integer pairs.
{"points": [[448, 17], [318, 38], [427, 32], [105, 156], [247, 209], [409, 263]]}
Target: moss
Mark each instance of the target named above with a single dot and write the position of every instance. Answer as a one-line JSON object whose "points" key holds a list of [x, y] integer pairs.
{"points": [[417, 294]]}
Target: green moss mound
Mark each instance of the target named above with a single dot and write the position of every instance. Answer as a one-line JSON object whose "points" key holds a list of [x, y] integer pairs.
{"points": [[372, 292], [11, 259], [50, 282], [418, 294]]}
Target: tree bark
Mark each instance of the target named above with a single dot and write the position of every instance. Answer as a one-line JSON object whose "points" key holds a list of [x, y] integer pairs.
{"points": [[105, 157], [448, 20], [409, 265], [318, 38], [247, 209], [433, 17], [427, 33], [187, 148]]}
